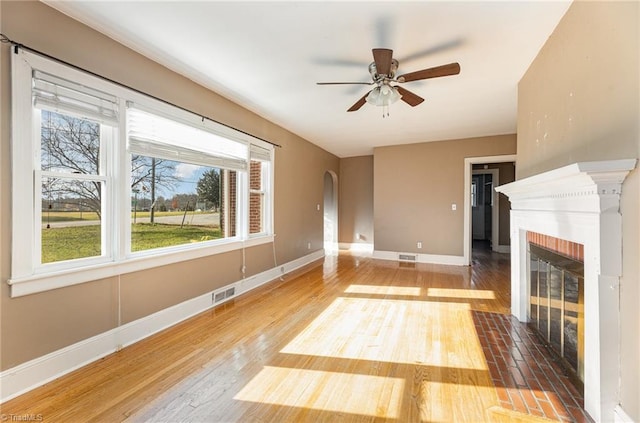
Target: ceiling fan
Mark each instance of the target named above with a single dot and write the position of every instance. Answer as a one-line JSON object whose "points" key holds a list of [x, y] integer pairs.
{"points": [[383, 71]]}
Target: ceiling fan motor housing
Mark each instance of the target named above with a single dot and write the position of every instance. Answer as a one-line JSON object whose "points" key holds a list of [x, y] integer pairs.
{"points": [[377, 77]]}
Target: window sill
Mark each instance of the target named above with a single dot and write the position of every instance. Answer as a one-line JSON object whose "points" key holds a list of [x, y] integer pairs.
{"points": [[32, 284]]}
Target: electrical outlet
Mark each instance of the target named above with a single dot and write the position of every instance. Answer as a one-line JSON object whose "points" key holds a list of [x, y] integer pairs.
{"points": [[454, 207], [308, 245], [419, 244]]}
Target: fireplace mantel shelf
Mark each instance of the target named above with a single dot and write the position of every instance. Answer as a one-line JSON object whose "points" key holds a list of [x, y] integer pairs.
{"points": [[585, 178], [580, 187]]}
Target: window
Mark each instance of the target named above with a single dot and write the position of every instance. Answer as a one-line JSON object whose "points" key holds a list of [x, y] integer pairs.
{"points": [[259, 187], [183, 182], [175, 203], [73, 181], [107, 180]]}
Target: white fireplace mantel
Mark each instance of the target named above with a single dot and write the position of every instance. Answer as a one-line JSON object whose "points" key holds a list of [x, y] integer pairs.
{"points": [[585, 187], [578, 203]]}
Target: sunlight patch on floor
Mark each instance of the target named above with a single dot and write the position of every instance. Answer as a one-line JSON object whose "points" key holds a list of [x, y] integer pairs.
{"points": [[452, 401], [413, 291], [478, 294], [393, 331], [326, 391]]}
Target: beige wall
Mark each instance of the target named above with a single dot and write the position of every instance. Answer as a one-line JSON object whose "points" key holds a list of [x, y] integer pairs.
{"points": [[580, 101], [507, 174], [415, 186], [37, 324], [356, 200]]}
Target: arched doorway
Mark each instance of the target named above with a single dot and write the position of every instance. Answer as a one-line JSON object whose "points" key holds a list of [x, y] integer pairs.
{"points": [[330, 212]]}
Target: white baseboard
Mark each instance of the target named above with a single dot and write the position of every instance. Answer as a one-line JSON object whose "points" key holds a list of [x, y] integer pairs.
{"points": [[357, 247], [255, 281], [27, 376], [421, 258], [620, 416], [505, 249]]}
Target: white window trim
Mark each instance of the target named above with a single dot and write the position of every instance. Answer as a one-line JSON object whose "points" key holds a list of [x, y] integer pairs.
{"points": [[106, 175], [27, 275], [267, 190]]}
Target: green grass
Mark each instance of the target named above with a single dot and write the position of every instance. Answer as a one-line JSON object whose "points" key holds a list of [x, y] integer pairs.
{"points": [[69, 243], [71, 216], [161, 214], [145, 236], [74, 216]]}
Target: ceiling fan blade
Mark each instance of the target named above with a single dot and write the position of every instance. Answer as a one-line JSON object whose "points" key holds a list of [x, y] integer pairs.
{"points": [[359, 103], [456, 42], [344, 83], [382, 58], [438, 71], [410, 98], [340, 62], [384, 28]]}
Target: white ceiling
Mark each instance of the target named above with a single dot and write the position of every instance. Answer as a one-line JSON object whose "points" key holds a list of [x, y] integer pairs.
{"points": [[268, 56]]}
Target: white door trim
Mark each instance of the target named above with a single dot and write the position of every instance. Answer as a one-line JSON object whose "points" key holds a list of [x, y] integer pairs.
{"points": [[468, 165], [331, 245]]}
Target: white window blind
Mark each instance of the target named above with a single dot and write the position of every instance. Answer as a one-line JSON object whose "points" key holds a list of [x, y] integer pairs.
{"points": [[260, 154], [156, 136], [59, 95]]}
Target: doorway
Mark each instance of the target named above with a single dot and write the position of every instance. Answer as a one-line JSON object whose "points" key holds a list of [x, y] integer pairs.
{"points": [[484, 208], [330, 212], [499, 230]]}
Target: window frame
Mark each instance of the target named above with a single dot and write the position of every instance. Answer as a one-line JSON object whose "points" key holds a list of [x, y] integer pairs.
{"points": [[104, 175], [266, 188], [128, 220], [28, 275]]}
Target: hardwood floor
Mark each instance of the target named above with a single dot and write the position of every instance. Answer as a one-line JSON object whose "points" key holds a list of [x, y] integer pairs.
{"points": [[352, 339]]}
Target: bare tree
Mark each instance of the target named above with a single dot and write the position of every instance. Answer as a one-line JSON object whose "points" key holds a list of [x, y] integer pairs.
{"points": [[149, 173], [72, 145], [184, 202]]}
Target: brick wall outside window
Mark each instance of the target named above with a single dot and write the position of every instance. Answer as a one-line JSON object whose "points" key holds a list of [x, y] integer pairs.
{"points": [[256, 199]]}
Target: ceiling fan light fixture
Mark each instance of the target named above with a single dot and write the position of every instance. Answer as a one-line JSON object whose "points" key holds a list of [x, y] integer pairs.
{"points": [[383, 96]]}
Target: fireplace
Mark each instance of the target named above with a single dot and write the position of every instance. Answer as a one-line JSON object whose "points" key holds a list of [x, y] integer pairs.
{"points": [[577, 204], [556, 299]]}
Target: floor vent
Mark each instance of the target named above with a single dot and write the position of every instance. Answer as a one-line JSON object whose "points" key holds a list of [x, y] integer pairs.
{"points": [[223, 295], [407, 257]]}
